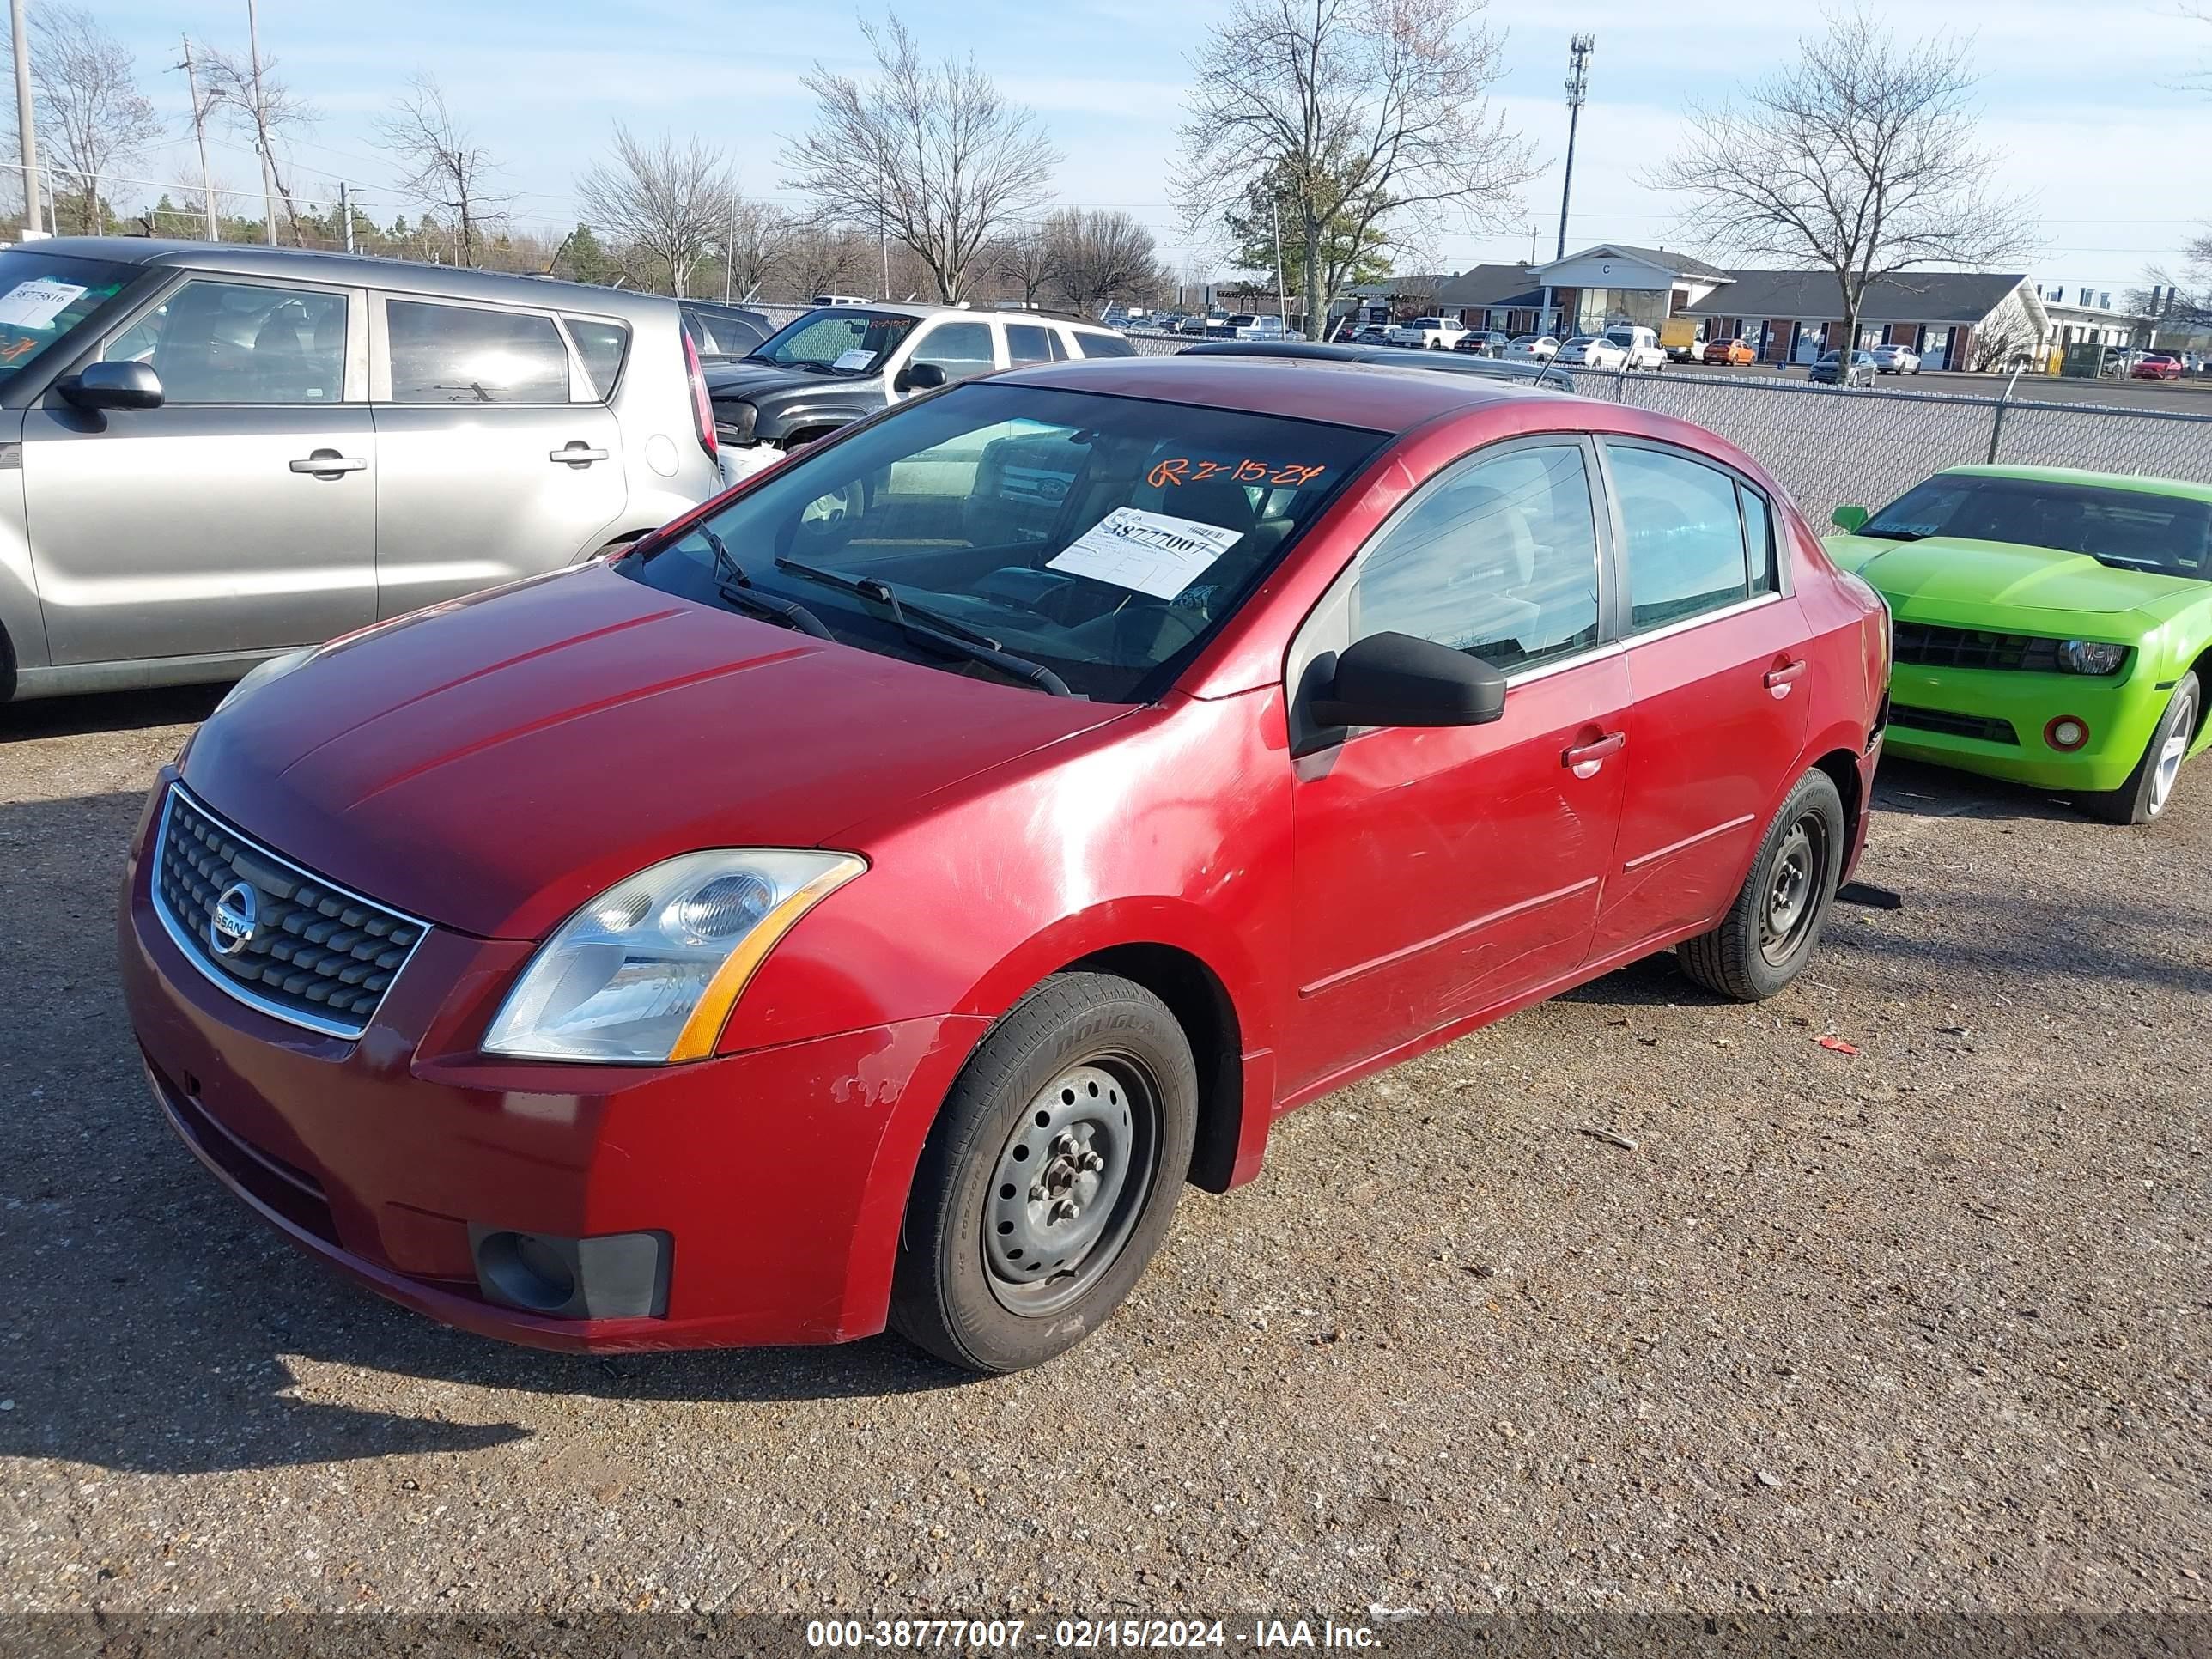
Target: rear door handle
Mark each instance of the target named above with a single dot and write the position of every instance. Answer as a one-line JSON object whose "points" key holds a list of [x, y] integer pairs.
{"points": [[328, 463], [1778, 679], [576, 454], [1584, 759]]}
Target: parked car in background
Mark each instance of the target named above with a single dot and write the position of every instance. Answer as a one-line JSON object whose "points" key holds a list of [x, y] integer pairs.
{"points": [[1734, 352], [1263, 326], [1639, 345], [724, 331], [1427, 333], [1590, 351], [2156, 365], [1890, 359], [1678, 338], [1541, 348], [1830, 370], [837, 364], [841, 300], [922, 911], [1201, 325], [223, 451], [2053, 627], [1482, 342]]}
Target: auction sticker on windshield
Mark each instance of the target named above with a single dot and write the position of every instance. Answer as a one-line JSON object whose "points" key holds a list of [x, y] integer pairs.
{"points": [[36, 304], [1145, 552], [853, 360]]}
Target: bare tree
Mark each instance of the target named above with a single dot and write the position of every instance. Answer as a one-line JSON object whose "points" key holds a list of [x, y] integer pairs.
{"points": [[1859, 159], [1352, 114], [265, 110], [90, 110], [755, 237], [824, 259], [668, 201], [1102, 255], [936, 156], [1026, 260], [445, 167]]}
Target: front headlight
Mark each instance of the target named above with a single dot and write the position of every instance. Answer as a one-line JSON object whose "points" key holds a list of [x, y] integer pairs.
{"points": [[2091, 656], [649, 971], [261, 673], [734, 421]]}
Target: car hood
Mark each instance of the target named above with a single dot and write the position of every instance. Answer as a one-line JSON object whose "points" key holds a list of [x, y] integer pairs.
{"points": [[1951, 579], [491, 764], [748, 377]]}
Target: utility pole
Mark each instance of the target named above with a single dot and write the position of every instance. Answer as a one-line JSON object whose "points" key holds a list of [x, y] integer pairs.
{"points": [[261, 129], [199, 132], [730, 250], [1282, 288], [1578, 57], [26, 133], [345, 213]]}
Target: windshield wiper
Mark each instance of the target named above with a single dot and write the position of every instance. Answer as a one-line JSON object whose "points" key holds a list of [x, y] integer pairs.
{"points": [[930, 627], [737, 589]]}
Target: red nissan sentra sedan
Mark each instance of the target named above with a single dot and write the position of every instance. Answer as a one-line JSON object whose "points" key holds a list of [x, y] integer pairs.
{"points": [[872, 898]]}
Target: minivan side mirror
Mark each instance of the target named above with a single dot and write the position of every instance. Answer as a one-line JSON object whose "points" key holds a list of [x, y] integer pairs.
{"points": [[1395, 679], [113, 385], [921, 377], [1849, 518]]}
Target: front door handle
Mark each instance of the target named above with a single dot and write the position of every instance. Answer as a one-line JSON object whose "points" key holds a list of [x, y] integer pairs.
{"points": [[1583, 760], [1778, 678], [328, 463], [576, 454]]}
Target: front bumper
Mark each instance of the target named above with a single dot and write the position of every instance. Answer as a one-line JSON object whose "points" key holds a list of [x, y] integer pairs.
{"points": [[778, 1177], [2121, 713]]}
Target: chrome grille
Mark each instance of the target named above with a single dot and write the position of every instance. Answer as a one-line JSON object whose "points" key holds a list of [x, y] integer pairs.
{"points": [[312, 952]]}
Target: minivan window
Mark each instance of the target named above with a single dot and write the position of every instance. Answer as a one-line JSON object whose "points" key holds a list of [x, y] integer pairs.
{"points": [[242, 343], [445, 354], [1684, 535], [43, 298], [1103, 538], [1498, 559], [604, 345]]}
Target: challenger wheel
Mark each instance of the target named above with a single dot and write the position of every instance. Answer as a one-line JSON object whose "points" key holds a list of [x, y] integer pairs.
{"points": [[1770, 932], [2150, 787], [1049, 1177]]}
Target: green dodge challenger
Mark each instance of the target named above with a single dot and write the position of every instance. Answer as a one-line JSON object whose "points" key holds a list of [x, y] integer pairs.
{"points": [[2053, 627]]}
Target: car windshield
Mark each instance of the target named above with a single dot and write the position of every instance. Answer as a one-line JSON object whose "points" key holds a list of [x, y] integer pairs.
{"points": [[2126, 529], [844, 342], [1102, 538], [45, 296]]}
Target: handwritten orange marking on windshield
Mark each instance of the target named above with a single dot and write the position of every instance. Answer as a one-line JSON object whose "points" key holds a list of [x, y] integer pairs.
{"points": [[1297, 477], [1167, 472], [1250, 471], [1209, 470], [1181, 470]]}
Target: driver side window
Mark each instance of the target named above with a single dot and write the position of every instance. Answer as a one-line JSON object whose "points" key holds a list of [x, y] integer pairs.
{"points": [[242, 343]]}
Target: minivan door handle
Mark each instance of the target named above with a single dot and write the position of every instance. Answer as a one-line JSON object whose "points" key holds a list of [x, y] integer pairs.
{"points": [[576, 454], [1584, 759], [1778, 678], [328, 463]]}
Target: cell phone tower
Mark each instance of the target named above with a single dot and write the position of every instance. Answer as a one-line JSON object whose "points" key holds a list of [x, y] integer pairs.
{"points": [[1578, 57]]}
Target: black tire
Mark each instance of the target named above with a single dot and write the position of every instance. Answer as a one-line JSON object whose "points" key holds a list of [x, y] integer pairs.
{"points": [[953, 1291], [2150, 788], [1763, 943]]}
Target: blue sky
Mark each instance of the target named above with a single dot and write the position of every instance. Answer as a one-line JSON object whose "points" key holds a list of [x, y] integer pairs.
{"points": [[2080, 94]]}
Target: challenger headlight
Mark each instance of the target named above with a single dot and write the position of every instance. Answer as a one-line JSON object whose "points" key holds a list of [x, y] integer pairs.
{"points": [[2090, 657], [649, 971], [263, 673]]}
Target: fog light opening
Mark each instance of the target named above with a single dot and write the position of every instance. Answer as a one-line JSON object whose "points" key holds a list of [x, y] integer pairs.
{"points": [[2067, 733], [528, 1272]]}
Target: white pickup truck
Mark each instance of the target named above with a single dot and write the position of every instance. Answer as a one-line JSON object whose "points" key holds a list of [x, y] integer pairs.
{"points": [[1640, 345], [1428, 333]]}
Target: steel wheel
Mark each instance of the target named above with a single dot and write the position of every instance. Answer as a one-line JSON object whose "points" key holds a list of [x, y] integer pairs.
{"points": [[1069, 1184], [2181, 727], [1793, 889]]}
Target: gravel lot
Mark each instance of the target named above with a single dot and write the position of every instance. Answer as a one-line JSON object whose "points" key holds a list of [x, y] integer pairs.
{"points": [[1924, 1328]]}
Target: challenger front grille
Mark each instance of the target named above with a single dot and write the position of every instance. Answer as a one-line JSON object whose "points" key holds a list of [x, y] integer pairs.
{"points": [[1924, 646], [269, 933]]}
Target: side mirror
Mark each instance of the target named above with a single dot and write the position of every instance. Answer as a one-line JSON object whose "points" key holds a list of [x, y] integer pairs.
{"points": [[1849, 518], [114, 386], [1395, 680], [920, 377]]}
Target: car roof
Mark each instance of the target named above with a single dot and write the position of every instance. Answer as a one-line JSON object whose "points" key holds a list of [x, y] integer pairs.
{"points": [[250, 259], [2137, 482], [909, 308], [1339, 392]]}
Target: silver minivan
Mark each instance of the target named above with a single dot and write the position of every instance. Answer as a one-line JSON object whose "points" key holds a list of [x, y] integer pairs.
{"points": [[210, 454]]}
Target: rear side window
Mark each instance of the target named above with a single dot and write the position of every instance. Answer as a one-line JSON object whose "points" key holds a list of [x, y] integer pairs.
{"points": [[470, 354], [1759, 540], [604, 346], [1031, 343], [961, 349], [1104, 345], [1684, 535]]}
